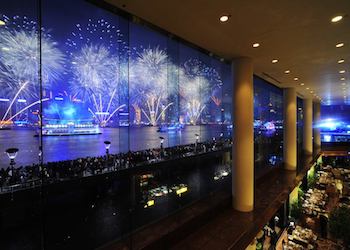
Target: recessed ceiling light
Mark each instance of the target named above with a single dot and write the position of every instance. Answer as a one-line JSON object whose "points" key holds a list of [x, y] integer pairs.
{"points": [[341, 61], [274, 61], [302, 84], [311, 91], [296, 78], [341, 71], [307, 88], [343, 84], [2, 22], [224, 18], [255, 45], [287, 71], [339, 45], [336, 19], [342, 79]]}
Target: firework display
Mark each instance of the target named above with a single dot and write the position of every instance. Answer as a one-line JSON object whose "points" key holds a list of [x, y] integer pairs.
{"points": [[95, 63], [19, 64]]}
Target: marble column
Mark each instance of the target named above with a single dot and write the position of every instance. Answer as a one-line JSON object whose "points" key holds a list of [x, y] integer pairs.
{"points": [[243, 135], [290, 129]]}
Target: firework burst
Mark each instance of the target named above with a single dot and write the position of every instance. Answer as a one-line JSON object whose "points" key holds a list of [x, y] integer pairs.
{"points": [[20, 60], [148, 83], [99, 30], [20, 55], [194, 89], [195, 67], [94, 70], [96, 66]]}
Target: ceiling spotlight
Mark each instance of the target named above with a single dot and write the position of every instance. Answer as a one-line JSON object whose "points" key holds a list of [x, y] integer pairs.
{"points": [[341, 61], [255, 45], [342, 79], [274, 61], [2, 23], [302, 84], [224, 18], [307, 88], [336, 19], [287, 71], [296, 78], [341, 71], [339, 45]]}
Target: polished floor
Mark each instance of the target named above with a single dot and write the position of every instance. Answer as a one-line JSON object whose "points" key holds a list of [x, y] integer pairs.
{"points": [[226, 229]]}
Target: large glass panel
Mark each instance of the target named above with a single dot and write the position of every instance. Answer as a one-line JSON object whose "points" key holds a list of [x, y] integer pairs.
{"points": [[20, 196], [268, 125], [116, 125], [85, 125]]}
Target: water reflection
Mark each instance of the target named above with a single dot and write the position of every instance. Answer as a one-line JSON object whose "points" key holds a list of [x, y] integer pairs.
{"points": [[59, 148]]}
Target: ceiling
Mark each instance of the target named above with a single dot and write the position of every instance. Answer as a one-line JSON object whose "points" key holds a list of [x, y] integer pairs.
{"points": [[298, 33]]}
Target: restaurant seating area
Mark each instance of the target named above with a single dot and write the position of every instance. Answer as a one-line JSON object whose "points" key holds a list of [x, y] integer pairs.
{"points": [[301, 238], [324, 189], [315, 202]]}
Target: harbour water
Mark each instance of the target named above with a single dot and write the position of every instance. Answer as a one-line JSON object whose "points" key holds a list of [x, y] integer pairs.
{"points": [[58, 148]]}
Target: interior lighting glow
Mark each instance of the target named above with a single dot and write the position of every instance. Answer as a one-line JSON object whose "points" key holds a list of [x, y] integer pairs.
{"points": [[336, 19], [224, 18]]}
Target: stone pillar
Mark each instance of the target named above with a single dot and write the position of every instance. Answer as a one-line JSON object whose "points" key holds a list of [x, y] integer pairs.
{"points": [[243, 135], [307, 135], [290, 129], [316, 129]]}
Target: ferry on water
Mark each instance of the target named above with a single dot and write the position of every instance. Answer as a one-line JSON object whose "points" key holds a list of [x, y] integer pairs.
{"points": [[70, 128]]}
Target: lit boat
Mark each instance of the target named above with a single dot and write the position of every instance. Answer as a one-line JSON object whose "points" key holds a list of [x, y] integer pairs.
{"points": [[70, 129], [168, 128]]}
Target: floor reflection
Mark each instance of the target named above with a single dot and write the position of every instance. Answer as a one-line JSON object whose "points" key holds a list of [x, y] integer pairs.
{"points": [[86, 213]]}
